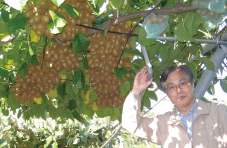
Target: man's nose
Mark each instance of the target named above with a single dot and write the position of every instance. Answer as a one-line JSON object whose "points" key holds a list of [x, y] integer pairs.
{"points": [[179, 89]]}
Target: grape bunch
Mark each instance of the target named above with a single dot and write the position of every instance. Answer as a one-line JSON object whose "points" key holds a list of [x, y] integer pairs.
{"points": [[103, 58], [39, 17], [59, 57], [38, 80], [154, 19], [211, 14]]}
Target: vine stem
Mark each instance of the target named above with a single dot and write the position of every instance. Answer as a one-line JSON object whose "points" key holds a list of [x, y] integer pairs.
{"points": [[164, 11]]}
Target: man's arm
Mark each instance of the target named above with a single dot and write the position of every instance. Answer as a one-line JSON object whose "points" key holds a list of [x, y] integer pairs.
{"points": [[146, 128]]}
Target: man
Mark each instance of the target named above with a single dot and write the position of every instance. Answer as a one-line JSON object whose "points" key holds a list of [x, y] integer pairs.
{"points": [[193, 123]]}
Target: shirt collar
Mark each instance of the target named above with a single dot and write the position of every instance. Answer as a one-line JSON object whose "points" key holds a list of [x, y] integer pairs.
{"points": [[192, 111]]}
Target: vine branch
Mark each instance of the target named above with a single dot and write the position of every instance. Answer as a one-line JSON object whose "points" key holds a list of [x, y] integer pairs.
{"points": [[1, 52], [2, 43], [164, 11]]}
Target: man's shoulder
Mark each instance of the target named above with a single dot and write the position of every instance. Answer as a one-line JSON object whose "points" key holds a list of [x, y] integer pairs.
{"points": [[167, 115], [211, 107]]}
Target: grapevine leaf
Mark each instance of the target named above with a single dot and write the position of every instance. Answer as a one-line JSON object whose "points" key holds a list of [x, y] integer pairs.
{"points": [[72, 104], [80, 42], [116, 113], [94, 6], [48, 141], [69, 89], [94, 96], [45, 104], [211, 89], [77, 116], [16, 4], [23, 70], [71, 10], [85, 62], [57, 23], [193, 69], [224, 85], [3, 73], [18, 22], [34, 37], [125, 88], [120, 72], [61, 89], [151, 95], [55, 144], [5, 15], [84, 136], [34, 60], [209, 64], [192, 22], [116, 4], [101, 112], [58, 2], [3, 142], [79, 79], [181, 33]]}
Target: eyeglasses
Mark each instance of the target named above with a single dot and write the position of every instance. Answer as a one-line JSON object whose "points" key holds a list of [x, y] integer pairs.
{"points": [[182, 84]]}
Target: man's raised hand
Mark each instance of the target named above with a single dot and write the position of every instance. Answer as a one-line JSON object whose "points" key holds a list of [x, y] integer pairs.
{"points": [[140, 82]]}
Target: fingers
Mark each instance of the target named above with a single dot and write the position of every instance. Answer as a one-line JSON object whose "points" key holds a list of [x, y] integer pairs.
{"points": [[144, 70]]}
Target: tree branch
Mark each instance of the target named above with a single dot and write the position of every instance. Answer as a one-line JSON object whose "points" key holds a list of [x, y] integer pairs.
{"points": [[1, 52], [164, 11], [2, 43]]}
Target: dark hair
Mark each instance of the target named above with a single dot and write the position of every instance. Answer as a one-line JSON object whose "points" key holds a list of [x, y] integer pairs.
{"points": [[171, 69]]}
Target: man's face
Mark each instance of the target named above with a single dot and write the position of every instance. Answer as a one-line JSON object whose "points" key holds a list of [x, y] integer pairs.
{"points": [[179, 90]]}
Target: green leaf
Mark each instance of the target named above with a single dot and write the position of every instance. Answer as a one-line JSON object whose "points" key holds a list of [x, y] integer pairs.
{"points": [[146, 102], [71, 10], [120, 72], [94, 96], [18, 22], [224, 85], [48, 141], [5, 15], [84, 135], [209, 64], [58, 2], [211, 89], [80, 42], [57, 24], [16, 4], [69, 89], [181, 33], [77, 116], [79, 79], [115, 113], [192, 22], [34, 60], [124, 88], [94, 6], [72, 104], [193, 69], [23, 70], [3, 73], [55, 144], [85, 62], [3, 142], [150, 94], [61, 89], [144, 41], [44, 102], [116, 3]]}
